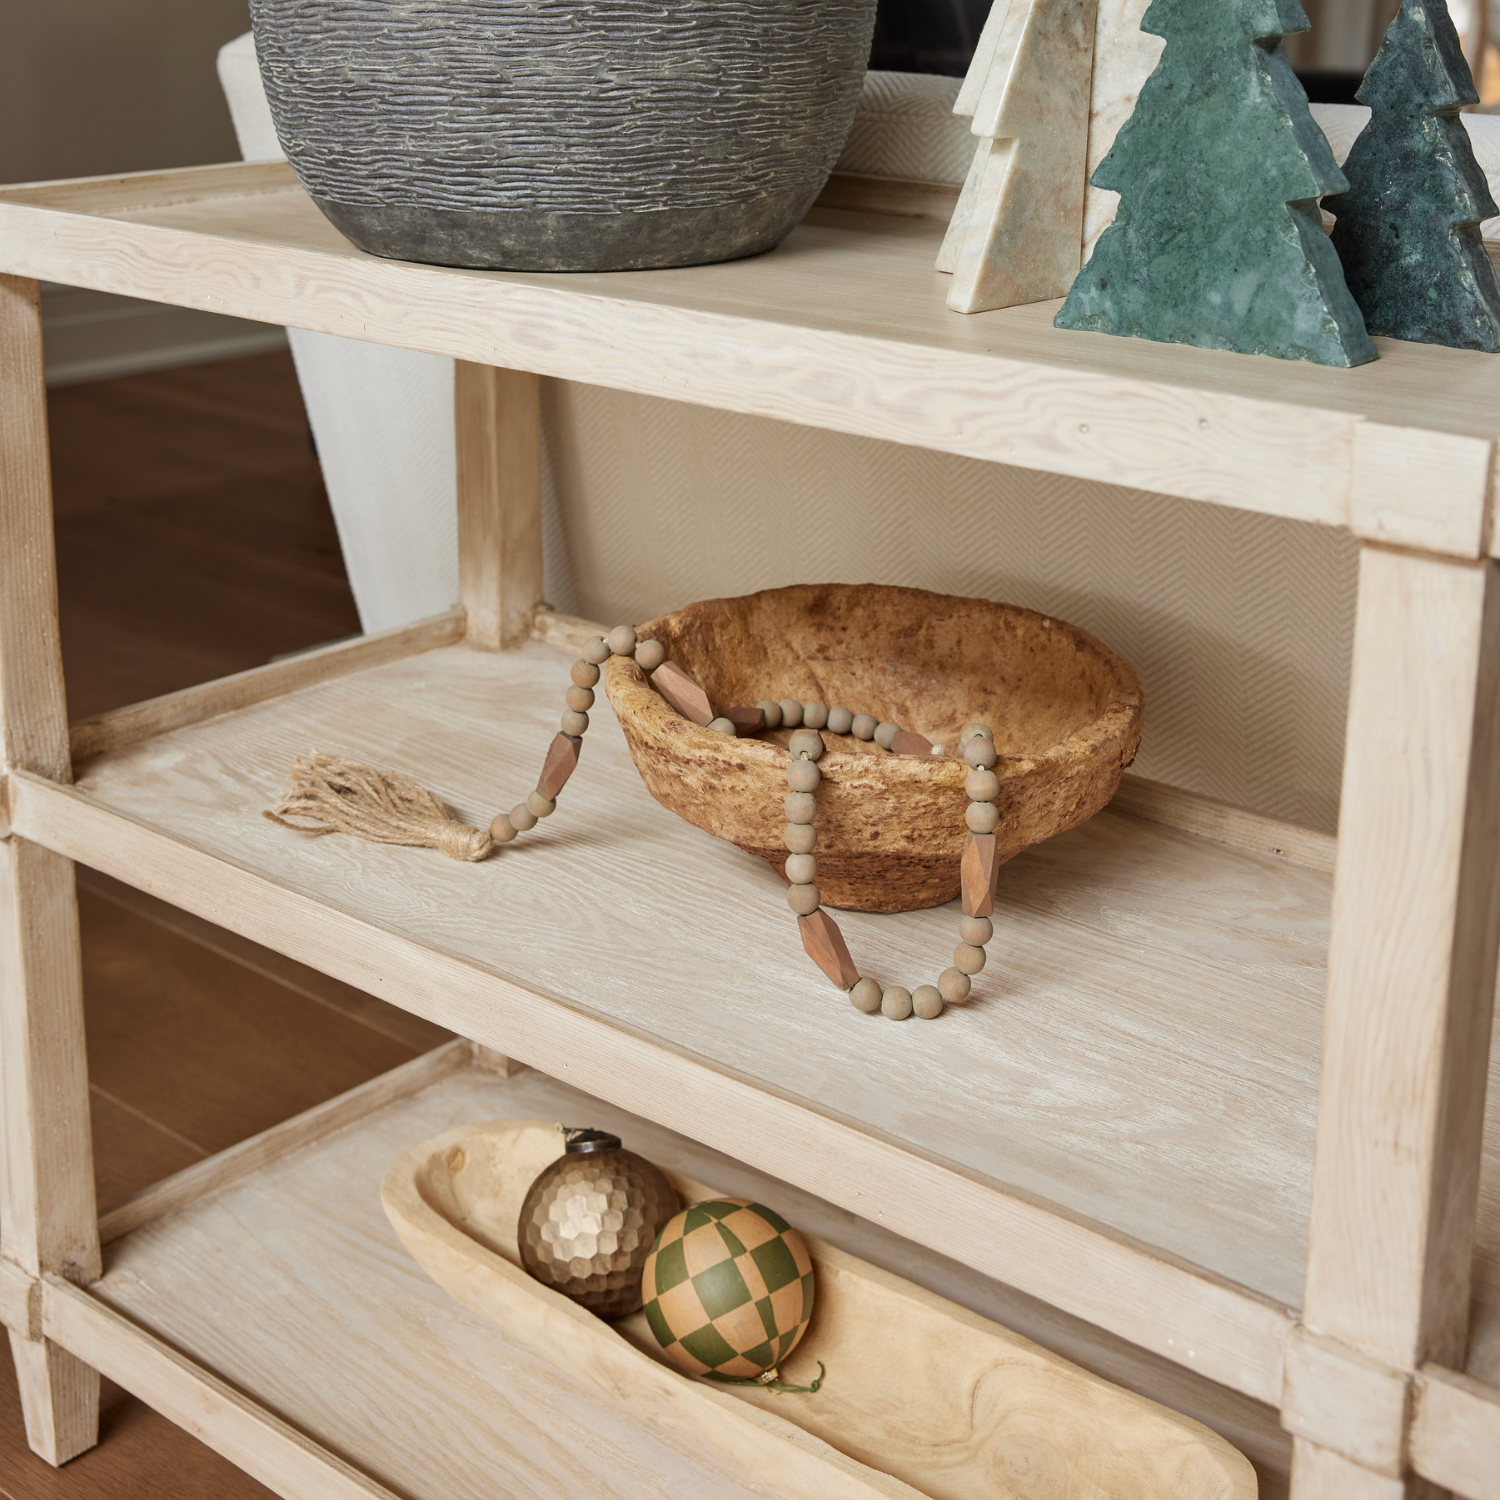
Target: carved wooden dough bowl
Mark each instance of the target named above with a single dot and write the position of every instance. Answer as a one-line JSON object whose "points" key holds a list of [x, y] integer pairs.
{"points": [[922, 1397], [1065, 711]]}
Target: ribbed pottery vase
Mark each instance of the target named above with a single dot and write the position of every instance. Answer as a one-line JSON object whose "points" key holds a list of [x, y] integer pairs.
{"points": [[563, 135]]}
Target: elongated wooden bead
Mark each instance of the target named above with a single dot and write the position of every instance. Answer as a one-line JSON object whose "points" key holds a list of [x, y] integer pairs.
{"points": [[982, 786], [927, 1001], [585, 673], [840, 720], [954, 985], [682, 693], [801, 869], [803, 776], [886, 732], [978, 866], [746, 719], [800, 838], [502, 830], [803, 899], [791, 713], [580, 698], [865, 996], [801, 807], [976, 930], [909, 742], [772, 710], [621, 640], [596, 650], [815, 714], [982, 817], [806, 742], [574, 722], [649, 655], [895, 1003], [825, 945], [968, 959], [542, 806], [863, 727], [522, 817]]}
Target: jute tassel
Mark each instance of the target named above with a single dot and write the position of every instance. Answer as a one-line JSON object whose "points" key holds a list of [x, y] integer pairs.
{"points": [[333, 796]]}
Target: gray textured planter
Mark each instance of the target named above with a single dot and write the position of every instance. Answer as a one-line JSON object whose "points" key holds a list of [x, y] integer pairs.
{"points": [[563, 135]]}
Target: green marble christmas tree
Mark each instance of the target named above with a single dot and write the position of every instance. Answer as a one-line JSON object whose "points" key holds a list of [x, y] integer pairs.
{"points": [[1408, 228], [1218, 239]]}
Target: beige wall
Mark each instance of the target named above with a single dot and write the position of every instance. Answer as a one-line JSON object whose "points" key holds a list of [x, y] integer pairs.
{"points": [[93, 86]]}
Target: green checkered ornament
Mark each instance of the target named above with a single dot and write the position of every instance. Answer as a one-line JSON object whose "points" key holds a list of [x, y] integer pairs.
{"points": [[728, 1289]]}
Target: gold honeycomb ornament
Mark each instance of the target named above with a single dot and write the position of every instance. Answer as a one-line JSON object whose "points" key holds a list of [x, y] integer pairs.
{"points": [[588, 1222]]}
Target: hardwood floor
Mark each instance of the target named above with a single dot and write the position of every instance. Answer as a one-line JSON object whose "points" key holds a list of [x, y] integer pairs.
{"points": [[194, 539]]}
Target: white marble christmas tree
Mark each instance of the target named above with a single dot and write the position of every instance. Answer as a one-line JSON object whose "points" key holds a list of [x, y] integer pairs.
{"points": [[1017, 233]]}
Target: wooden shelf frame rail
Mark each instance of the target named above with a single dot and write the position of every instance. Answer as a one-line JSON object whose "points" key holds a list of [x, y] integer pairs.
{"points": [[1365, 1380]]}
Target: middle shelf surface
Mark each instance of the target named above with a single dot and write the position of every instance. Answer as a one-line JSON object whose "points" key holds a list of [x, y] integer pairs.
{"points": [[1141, 1053]]}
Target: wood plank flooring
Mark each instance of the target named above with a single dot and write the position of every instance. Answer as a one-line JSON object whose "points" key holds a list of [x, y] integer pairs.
{"points": [[194, 539]]}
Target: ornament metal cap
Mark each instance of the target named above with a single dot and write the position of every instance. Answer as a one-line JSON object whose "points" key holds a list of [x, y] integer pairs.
{"points": [[582, 1141]]}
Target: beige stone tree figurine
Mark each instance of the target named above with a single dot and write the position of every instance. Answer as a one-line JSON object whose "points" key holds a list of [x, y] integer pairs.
{"points": [[1017, 233]]}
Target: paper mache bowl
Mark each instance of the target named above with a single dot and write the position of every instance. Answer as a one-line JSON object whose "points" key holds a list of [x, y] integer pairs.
{"points": [[1064, 709]]}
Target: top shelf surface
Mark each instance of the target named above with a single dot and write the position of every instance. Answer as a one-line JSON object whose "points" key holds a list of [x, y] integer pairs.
{"points": [[843, 327]]}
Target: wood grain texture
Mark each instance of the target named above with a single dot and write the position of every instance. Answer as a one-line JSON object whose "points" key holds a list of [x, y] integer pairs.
{"points": [[128, 726], [252, 1438], [788, 334], [47, 1212], [1411, 966], [498, 422], [33, 718], [230, 1165], [947, 1404], [1321, 1474], [1346, 1402], [1455, 1433], [1222, 970], [20, 1305]]}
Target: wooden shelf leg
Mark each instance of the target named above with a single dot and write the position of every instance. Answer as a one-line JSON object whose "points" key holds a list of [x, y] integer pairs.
{"points": [[1412, 955], [498, 420], [48, 1215]]}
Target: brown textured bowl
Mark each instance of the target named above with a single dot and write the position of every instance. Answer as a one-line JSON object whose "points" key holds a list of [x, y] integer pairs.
{"points": [[1065, 711]]}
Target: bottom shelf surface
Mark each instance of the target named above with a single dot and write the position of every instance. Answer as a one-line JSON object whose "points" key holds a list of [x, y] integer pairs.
{"points": [[290, 1285]]}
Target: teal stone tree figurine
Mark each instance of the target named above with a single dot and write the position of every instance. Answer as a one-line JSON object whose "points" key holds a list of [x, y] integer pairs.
{"points": [[1218, 240], [1408, 228]]}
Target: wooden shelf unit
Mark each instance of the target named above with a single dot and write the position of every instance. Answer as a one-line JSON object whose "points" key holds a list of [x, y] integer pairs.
{"points": [[1122, 1126]]}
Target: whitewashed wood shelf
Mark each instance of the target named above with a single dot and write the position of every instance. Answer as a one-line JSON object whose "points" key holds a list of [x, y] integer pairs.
{"points": [[1215, 1123]]}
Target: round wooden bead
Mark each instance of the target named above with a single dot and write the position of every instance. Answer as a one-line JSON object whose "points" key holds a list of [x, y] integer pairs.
{"points": [[649, 655], [806, 742], [976, 930], [574, 721], [840, 720], [724, 726], [980, 753], [522, 817], [982, 785], [621, 640], [502, 830], [803, 899], [801, 869], [801, 807], [927, 1001], [971, 730], [982, 817], [540, 805], [585, 673], [815, 714], [596, 650], [800, 838], [863, 727], [803, 776], [580, 698], [886, 732], [895, 1003], [772, 710], [968, 959], [954, 985], [865, 996], [791, 713]]}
